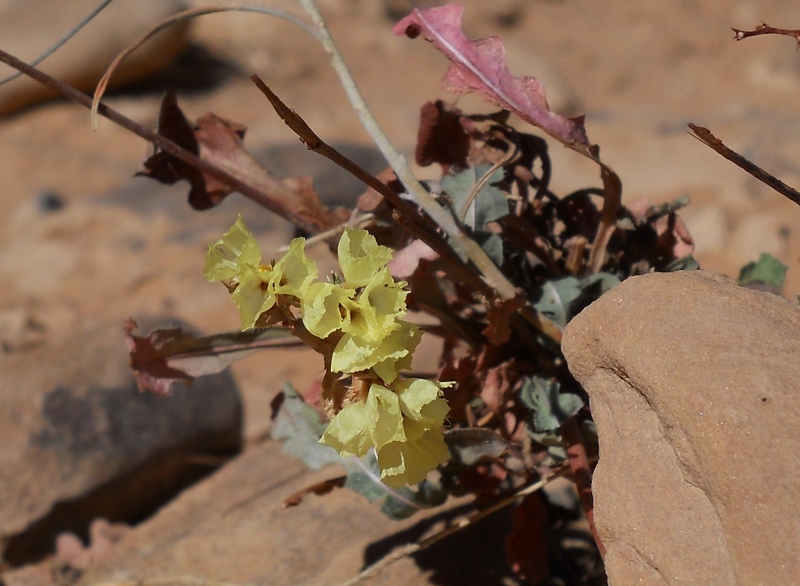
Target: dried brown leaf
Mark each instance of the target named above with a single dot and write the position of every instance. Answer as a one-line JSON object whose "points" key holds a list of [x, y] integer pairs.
{"points": [[442, 138]]}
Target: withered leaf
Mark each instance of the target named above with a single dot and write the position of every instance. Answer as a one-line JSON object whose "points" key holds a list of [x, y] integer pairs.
{"points": [[480, 66], [498, 329], [441, 138], [319, 489], [173, 355], [211, 135]]}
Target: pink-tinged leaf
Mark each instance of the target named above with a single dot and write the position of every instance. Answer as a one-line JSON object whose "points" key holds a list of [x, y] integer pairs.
{"points": [[406, 260], [480, 66], [173, 355]]}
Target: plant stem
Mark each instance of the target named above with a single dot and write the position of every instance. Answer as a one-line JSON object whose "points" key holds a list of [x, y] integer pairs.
{"points": [[464, 246]]}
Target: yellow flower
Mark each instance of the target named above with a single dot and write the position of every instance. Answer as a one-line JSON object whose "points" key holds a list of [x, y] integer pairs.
{"points": [[360, 257], [404, 425], [295, 272], [235, 260], [235, 252], [408, 461], [253, 296], [373, 314], [364, 425], [322, 308], [387, 357]]}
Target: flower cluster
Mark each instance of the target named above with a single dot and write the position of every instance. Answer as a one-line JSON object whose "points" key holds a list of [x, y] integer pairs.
{"points": [[365, 339]]}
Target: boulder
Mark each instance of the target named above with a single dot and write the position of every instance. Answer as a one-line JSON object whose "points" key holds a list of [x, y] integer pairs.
{"points": [[233, 528], [693, 383], [80, 441]]}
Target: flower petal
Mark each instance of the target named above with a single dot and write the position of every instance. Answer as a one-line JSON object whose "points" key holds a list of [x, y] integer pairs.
{"points": [[294, 273], [347, 432], [360, 257], [230, 255], [322, 308], [421, 400], [410, 462], [384, 418], [387, 357], [252, 296]]}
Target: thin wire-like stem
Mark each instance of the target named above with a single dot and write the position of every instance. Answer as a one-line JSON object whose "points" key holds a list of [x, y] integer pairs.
{"points": [[60, 43], [245, 188], [181, 16]]}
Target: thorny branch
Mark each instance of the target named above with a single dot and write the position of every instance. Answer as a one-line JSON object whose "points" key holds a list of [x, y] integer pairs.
{"points": [[765, 29], [705, 136]]}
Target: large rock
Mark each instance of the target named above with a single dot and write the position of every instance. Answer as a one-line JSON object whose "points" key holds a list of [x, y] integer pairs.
{"points": [[693, 383], [28, 28], [80, 441], [232, 528]]}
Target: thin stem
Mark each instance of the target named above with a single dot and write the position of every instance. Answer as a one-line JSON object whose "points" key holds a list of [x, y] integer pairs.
{"points": [[158, 140], [86, 20], [180, 16]]}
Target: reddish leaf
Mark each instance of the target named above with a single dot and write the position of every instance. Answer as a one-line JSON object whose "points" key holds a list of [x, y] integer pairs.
{"points": [[526, 545], [441, 139], [480, 66], [174, 355], [498, 330], [206, 191], [496, 387]]}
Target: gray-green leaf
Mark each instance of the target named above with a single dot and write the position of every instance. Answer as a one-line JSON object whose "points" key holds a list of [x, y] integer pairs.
{"points": [[550, 408]]}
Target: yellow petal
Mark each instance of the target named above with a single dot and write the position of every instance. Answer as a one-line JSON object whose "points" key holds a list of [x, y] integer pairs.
{"points": [[421, 400], [410, 462], [347, 432], [384, 419], [229, 256], [387, 357], [360, 257], [322, 308], [374, 312], [361, 426], [294, 273], [253, 296]]}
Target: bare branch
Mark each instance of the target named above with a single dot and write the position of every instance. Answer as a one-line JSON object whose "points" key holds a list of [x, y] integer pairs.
{"points": [[765, 29], [705, 136]]}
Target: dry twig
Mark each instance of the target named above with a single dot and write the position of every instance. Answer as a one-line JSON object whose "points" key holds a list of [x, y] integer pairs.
{"points": [[765, 29], [705, 136]]}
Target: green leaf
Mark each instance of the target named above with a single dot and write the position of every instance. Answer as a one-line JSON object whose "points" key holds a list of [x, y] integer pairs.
{"points": [[364, 477], [468, 445], [562, 299], [550, 407], [555, 297], [768, 270], [492, 245], [490, 203], [300, 426], [686, 263]]}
